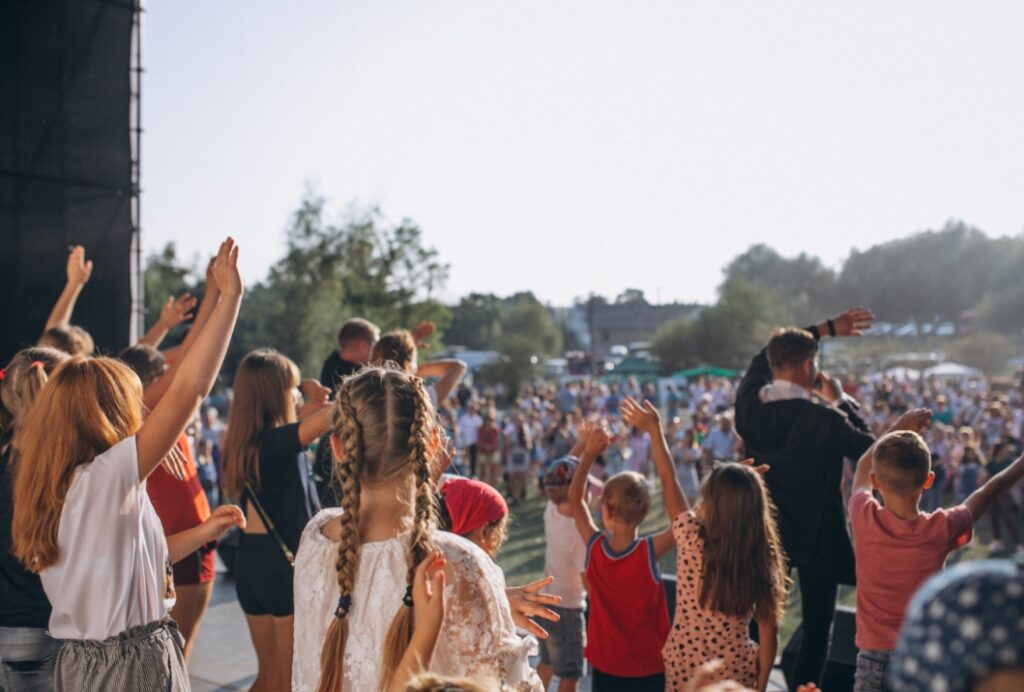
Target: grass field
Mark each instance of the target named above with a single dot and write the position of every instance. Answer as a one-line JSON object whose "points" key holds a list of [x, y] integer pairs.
{"points": [[522, 556]]}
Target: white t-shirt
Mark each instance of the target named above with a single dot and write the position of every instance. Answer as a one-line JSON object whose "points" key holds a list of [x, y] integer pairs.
{"points": [[564, 557], [114, 571], [469, 425]]}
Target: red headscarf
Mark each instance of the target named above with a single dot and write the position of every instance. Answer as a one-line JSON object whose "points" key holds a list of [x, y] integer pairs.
{"points": [[472, 504]]}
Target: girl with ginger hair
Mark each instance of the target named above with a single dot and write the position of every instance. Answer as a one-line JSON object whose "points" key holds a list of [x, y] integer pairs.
{"points": [[82, 518], [355, 566], [27, 652]]}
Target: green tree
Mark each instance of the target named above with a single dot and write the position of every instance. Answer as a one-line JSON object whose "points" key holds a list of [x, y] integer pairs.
{"points": [[360, 266], [805, 287], [726, 334], [987, 351], [165, 275], [476, 322], [528, 332]]}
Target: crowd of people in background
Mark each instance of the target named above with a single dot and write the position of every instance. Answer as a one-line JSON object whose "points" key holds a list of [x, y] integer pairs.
{"points": [[369, 505]]}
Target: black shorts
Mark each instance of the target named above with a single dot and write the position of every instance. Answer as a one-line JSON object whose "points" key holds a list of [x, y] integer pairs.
{"points": [[263, 577]]}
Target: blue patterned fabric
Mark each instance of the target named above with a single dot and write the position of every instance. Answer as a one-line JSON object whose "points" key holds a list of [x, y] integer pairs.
{"points": [[961, 625]]}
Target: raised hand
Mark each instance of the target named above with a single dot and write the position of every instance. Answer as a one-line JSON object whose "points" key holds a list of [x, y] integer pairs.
{"points": [[78, 268], [316, 397], [211, 283], [421, 331], [224, 270], [223, 518], [528, 602], [176, 311], [643, 416], [760, 468], [175, 464], [853, 322], [597, 442], [428, 596], [914, 420]]}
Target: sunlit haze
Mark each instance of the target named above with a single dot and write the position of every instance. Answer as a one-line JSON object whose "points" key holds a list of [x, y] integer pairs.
{"points": [[577, 147]]}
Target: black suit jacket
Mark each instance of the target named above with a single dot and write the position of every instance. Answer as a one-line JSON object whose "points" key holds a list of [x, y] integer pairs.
{"points": [[805, 443]]}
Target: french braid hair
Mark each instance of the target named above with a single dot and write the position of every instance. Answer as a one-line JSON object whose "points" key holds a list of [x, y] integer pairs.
{"points": [[384, 422]]}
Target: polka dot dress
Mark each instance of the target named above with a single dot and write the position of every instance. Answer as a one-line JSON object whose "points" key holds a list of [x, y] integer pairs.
{"points": [[699, 635]]}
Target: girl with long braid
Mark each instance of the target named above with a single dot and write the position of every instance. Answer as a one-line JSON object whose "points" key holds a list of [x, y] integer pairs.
{"points": [[356, 564]]}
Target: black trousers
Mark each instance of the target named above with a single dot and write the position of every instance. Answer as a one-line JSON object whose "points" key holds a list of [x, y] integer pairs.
{"points": [[819, 583]]}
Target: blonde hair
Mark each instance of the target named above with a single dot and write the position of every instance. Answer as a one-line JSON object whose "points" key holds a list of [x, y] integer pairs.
{"points": [[262, 401], [23, 379], [627, 497], [384, 423], [492, 535], [72, 339], [432, 682], [396, 347], [88, 406]]}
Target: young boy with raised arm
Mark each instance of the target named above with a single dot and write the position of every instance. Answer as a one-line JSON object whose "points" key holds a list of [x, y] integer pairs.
{"points": [[628, 619], [897, 545]]}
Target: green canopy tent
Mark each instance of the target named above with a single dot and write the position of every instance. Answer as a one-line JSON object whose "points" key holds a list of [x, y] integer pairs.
{"points": [[705, 370]]}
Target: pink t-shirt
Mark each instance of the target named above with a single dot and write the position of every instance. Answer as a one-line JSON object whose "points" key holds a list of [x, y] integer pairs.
{"points": [[894, 557]]}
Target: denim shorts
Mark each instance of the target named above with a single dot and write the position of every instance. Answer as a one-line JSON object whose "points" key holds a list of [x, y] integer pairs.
{"points": [[563, 649], [27, 655], [870, 674]]}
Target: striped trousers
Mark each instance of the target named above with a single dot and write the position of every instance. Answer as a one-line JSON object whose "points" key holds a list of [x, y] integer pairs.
{"points": [[144, 658]]}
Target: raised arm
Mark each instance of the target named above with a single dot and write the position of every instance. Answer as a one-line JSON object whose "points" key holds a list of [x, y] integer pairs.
{"points": [[596, 444], [998, 484], [173, 313], [449, 373], [315, 413], [198, 369], [209, 302], [78, 272], [647, 418]]}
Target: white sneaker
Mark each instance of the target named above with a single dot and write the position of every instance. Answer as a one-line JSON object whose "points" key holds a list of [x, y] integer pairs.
{"points": [[995, 545]]}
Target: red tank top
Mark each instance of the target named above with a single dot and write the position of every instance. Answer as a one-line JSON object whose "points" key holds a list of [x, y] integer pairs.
{"points": [[181, 505], [628, 620]]}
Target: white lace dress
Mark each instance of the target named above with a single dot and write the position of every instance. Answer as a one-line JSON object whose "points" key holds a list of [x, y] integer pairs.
{"points": [[478, 637]]}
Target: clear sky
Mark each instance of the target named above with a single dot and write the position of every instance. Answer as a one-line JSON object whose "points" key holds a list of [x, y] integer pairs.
{"points": [[569, 147]]}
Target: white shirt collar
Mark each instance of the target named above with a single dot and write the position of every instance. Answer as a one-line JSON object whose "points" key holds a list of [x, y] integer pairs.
{"points": [[782, 390]]}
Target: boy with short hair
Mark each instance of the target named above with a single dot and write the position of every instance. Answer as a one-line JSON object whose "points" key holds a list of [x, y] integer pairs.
{"points": [[898, 546], [628, 619]]}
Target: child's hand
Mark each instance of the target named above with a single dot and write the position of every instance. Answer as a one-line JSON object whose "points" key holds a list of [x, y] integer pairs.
{"points": [[174, 312], [78, 269], [223, 518], [645, 417], [914, 420], [421, 331], [428, 596], [225, 269], [760, 468], [528, 602], [707, 679], [313, 391], [597, 442]]}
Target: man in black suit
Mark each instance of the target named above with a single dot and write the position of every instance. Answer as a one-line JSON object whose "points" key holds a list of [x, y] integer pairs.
{"points": [[797, 420]]}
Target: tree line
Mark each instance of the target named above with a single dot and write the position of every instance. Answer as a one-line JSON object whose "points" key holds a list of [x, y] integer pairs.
{"points": [[362, 264]]}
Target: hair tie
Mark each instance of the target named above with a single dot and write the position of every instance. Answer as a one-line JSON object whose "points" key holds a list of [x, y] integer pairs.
{"points": [[407, 598], [3, 374], [344, 603], [37, 364]]}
